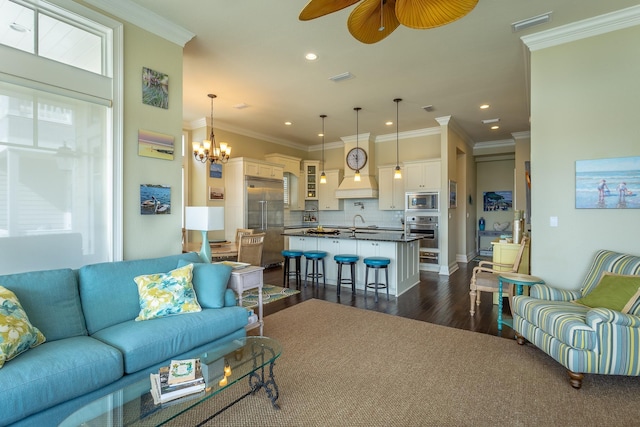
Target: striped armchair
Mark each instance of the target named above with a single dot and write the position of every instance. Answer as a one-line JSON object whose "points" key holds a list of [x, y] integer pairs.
{"points": [[584, 340]]}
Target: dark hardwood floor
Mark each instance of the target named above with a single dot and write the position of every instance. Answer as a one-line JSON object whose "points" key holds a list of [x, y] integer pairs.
{"points": [[443, 300]]}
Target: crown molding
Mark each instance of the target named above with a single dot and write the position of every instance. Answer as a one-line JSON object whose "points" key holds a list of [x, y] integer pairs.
{"points": [[521, 135], [408, 134], [145, 19], [579, 30]]}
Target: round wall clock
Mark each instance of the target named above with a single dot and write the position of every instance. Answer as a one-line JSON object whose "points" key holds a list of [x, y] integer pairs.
{"points": [[356, 158]]}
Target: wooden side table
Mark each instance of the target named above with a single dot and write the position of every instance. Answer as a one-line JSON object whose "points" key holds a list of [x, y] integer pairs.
{"points": [[519, 280], [250, 277]]}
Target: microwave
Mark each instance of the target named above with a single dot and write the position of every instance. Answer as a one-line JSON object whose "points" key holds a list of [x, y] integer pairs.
{"points": [[422, 201]]}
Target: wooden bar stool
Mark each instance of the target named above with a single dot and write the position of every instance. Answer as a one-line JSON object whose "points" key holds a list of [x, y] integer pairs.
{"points": [[289, 255], [315, 257], [376, 263], [350, 260]]}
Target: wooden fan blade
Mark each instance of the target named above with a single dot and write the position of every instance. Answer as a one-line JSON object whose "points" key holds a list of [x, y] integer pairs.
{"points": [[364, 21], [423, 14], [317, 8]]}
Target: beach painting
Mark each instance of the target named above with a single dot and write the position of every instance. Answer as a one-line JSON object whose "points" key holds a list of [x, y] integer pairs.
{"points": [[608, 183], [497, 200], [155, 199], [155, 88], [156, 145]]}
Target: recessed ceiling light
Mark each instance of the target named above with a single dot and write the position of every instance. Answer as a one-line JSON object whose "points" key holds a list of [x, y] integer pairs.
{"points": [[288, 123], [484, 106], [495, 127], [388, 123], [321, 134], [311, 56]]}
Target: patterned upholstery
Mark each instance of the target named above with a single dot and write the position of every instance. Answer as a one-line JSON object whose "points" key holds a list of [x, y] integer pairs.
{"points": [[583, 339]]}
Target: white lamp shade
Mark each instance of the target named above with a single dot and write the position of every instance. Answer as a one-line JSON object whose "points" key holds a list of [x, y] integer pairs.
{"points": [[204, 218]]}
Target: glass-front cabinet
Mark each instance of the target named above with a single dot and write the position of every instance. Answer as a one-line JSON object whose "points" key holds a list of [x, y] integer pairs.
{"points": [[312, 178]]}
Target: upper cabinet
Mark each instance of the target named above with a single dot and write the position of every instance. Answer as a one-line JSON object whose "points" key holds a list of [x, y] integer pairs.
{"points": [[289, 164], [390, 190], [422, 175], [327, 200], [311, 170], [263, 169]]}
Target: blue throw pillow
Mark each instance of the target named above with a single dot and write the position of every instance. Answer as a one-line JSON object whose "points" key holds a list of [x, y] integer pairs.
{"points": [[210, 282]]}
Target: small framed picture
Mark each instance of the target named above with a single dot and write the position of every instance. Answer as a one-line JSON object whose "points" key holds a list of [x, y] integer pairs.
{"points": [[216, 193], [453, 194]]}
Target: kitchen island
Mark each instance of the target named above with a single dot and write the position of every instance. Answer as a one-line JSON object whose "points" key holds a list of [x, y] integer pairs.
{"points": [[404, 271]]}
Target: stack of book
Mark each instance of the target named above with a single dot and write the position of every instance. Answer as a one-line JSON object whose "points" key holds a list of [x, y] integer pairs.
{"points": [[181, 378]]}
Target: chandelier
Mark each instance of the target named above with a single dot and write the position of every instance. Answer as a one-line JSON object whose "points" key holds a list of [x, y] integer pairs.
{"points": [[207, 149]]}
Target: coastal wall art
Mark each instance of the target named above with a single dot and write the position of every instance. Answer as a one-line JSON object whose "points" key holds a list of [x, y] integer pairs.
{"points": [[156, 145], [155, 88], [608, 183], [155, 199], [497, 200]]}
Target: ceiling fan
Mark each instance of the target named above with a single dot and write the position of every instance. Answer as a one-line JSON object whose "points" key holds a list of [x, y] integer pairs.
{"points": [[373, 20]]}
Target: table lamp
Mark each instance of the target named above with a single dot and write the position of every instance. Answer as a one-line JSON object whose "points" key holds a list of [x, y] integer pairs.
{"points": [[205, 219]]}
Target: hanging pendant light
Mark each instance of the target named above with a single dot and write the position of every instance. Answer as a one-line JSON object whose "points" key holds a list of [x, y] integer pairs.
{"points": [[397, 174], [356, 177], [208, 149], [323, 176]]}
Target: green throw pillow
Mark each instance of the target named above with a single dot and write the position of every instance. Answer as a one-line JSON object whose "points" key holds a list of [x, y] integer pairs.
{"points": [[17, 334], [166, 294], [615, 292]]}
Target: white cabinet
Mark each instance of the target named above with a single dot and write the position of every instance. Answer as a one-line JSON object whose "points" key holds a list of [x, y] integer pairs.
{"points": [[367, 248], [296, 192], [391, 190], [334, 246], [303, 243], [289, 164], [263, 170], [312, 178], [422, 175], [327, 200]]}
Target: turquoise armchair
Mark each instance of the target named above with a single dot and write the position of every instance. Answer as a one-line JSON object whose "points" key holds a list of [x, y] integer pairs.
{"points": [[584, 340]]}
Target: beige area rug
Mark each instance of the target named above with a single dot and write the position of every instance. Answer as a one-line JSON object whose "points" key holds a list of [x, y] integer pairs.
{"points": [[344, 366]]}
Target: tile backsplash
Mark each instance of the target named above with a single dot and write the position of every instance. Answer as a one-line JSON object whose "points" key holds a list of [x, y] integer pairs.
{"points": [[368, 208]]}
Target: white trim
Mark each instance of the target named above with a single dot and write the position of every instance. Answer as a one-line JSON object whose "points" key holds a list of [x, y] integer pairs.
{"points": [[118, 143], [145, 19], [409, 134], [579, 30]]}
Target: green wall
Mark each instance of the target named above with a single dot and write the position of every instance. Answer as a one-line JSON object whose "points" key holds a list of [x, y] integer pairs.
{"points": [[584, 105]]}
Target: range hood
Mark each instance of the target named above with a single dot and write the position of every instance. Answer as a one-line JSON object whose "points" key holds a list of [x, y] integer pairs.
{"points": [[367, 188]]}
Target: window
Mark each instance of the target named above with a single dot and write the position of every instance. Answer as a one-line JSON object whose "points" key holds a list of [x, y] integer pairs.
{"points": [[58, 182], [285, 180]]}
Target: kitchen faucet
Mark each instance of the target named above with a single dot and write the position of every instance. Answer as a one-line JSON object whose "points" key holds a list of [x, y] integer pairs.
{"points": [[353, 229]]}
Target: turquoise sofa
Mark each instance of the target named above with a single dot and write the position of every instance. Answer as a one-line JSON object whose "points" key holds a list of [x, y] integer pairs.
{"points": [[584, 340], [93, 345]]}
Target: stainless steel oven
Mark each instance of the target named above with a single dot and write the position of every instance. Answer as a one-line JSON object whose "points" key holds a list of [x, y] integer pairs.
{"points": [[424, 201], [425, 226]]}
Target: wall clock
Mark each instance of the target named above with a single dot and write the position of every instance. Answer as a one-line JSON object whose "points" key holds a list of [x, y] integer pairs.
{"points": [[356, 158]]}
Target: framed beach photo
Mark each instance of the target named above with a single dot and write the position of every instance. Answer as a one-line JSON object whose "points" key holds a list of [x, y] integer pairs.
{"points": [[155, 199], [608, 183], [453, 194], [156, 145]]}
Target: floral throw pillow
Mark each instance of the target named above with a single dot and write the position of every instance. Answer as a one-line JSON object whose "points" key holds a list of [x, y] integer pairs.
{"points": [[167, 294], [17, 334]]}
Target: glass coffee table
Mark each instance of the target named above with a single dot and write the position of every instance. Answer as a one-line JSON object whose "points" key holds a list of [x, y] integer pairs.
{"points": [[251, 359]]}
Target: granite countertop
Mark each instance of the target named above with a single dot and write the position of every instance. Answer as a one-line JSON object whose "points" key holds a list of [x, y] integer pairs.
{"points": [[361, 234]]}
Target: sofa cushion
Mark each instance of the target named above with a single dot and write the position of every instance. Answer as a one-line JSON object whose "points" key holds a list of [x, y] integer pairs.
{"points": [[109, 294], [613, 262], [144, 344], [563, 320], [613, 291], [51, 300], [17, 335], [210, 282], [55, 372], [166, 294]]}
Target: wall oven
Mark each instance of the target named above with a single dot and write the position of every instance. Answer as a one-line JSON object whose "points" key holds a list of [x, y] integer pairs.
{"points": [[425, 226], [422, 201]]}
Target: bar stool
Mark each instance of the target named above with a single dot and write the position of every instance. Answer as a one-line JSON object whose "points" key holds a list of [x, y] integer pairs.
{"points": [[350, 260], [376, 263], [314, 257], [289, 255]]}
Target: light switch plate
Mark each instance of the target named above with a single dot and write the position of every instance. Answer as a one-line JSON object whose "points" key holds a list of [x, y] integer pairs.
{"points": [[553, 221]]}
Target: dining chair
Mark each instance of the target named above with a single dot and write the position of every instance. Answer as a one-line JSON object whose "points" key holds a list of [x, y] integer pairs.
{"points": [[242, 232], [485, 277], [250, 248]]}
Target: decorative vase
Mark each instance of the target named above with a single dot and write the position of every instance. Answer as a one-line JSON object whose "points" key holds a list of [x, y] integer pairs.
{"points": [[481, 224]]}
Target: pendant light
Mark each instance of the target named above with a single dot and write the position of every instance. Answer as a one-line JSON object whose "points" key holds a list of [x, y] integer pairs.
{"points": [[208, 149], [323, 176], [356, 177], [397, 174]]}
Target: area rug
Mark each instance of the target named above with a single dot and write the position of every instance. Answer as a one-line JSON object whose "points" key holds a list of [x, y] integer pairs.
{"points": [[344, 366], [270, 293]]}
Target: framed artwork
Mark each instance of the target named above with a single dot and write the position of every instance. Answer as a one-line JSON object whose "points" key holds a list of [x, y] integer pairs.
{"points": [[155, 88], [453, 194], [216, 193], [155, 199], [156, 145], [215, 170], [497, 200], [608, 183]]}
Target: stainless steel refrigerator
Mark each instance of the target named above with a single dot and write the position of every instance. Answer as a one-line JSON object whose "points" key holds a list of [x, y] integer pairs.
{"points": [[265, 214]]}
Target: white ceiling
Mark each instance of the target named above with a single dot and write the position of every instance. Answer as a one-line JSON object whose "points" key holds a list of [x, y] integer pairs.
{"points": [[252, 52]]}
